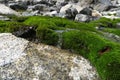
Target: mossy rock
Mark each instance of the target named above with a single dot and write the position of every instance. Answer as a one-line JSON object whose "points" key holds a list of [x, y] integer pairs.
{"points": [[82, 38]]}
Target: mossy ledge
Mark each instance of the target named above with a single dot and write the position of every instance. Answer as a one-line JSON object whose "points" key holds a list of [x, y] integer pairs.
{"points": [[80, 38]]}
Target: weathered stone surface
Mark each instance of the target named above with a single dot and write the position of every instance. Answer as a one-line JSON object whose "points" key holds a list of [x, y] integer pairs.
{"points": [[11, 48], [23, 60]]}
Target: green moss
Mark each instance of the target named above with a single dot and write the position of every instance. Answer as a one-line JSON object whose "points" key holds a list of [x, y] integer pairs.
{"points": [[90, 45], [47, 35], [114, 31], [81, 38], [9, 26]]}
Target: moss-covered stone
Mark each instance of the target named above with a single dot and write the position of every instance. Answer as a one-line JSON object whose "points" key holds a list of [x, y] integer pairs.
{"points": [[81, 38]]}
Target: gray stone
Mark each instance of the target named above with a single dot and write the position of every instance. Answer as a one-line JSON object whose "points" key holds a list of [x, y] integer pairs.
{"points": [[71, 13], [18, 6], [106, 2], [82, 18], [101, 7], [86, 11]]}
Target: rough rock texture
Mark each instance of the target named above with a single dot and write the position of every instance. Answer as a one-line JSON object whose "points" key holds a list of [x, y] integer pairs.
{"points": [[23, 60], [11, 48]]}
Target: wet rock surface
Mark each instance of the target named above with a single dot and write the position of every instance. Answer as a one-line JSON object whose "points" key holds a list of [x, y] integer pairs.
{"points": [[41, 62]]}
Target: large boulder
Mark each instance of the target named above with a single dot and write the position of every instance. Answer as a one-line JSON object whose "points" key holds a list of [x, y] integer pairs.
{"points": [[6, 10], [23, 60]]}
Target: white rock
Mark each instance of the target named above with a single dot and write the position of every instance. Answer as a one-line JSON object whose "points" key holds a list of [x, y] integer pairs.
{"points": [[64, 8], [53, 13], [96, 13], [81, 18], [6, 10], [111, 17], [83, 70], [118, 1], [11, 48]]}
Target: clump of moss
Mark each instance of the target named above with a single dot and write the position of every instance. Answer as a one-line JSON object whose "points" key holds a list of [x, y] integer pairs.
{"points": [[89, 45], [9, 26], [46, 35], [81, 38]]}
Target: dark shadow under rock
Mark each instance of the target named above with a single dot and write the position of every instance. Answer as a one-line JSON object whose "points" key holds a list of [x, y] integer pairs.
{"points": [[28, 33]]}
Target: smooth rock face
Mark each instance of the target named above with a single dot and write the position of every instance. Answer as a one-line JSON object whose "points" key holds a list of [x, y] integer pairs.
{"points": [[27, 61]]}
